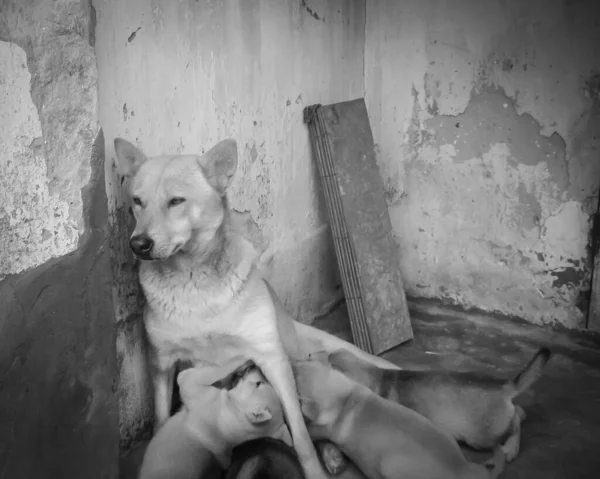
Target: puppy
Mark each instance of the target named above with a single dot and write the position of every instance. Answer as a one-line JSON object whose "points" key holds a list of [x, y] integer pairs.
{"points": [[264, 458], [475, 409], [205, 299], [384, 439], [267, 458], [211, 423]]}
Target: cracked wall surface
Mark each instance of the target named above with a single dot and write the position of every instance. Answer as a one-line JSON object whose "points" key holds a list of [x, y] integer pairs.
{"points": [[35, 224], [486, 117], [58, 407], [181, 76]]}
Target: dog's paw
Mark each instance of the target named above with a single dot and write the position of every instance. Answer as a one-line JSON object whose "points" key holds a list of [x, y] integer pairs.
{"points": [[511, 450], [520, 412], [333, 459]]}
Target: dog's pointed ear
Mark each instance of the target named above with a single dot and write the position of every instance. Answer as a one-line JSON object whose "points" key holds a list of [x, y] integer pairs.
{"points": [[129, 157], [220, 163], [259, 414]]}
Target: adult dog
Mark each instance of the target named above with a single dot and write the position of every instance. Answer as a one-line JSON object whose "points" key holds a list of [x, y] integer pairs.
{"points": [[205, 300]]}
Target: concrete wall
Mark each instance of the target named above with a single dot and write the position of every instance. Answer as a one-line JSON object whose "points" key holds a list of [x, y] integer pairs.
{"points": [[58, 408], [486, 114], [180, 76]]}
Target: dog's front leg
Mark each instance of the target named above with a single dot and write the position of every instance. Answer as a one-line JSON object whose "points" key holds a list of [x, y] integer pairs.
{"points": [[278, 372], [162, 379]]}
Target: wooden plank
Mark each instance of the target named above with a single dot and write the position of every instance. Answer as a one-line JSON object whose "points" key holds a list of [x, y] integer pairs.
{"points": [[594, 310], [593, 317], [360, 224]]}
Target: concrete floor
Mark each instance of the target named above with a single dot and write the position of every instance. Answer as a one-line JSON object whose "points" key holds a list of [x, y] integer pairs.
{"points": [[561, 435]]}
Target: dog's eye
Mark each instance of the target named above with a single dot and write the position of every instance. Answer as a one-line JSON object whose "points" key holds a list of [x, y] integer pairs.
{"points": [[137, 201], [176, 201]]}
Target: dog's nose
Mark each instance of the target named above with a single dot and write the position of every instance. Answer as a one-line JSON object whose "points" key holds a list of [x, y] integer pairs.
{"points": [[141, 245]]}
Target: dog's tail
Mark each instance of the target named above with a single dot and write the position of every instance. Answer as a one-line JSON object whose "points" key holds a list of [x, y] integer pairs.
{"points": [[531, 372], [496, 464]]}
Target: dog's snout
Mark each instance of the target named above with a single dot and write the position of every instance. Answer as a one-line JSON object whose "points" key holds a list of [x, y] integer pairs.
{"points": [[141, 245]]}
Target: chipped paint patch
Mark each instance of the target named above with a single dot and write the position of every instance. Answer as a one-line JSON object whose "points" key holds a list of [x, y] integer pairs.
{"points": [[36, 224], [486, 221], [486, 126]]}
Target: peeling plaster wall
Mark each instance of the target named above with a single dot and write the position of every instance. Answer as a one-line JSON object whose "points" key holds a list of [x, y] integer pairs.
{"points": [[41, 208], [181, 76], [487, 118], [35, 225], [58, 408]]}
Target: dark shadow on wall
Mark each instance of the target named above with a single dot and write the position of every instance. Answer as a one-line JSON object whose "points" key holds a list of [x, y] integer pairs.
{"points": [[58, 371]]}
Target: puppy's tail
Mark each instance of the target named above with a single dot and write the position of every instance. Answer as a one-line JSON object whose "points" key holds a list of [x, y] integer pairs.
{"points": [[531, 372], [496, 464]]}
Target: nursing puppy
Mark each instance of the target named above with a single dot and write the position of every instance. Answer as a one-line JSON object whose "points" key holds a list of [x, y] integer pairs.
{"points": [[474, 408], [264, 458], [384, 439], [268, 458], [211, 423], [205, 299]]}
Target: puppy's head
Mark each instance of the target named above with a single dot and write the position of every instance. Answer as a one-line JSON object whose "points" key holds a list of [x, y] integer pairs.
{"points": [[322, 391], [355, 368], [178, 201], [250, 409]]}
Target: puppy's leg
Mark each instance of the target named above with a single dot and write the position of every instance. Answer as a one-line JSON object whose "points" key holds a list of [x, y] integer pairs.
{"points": [[278, 372], [162, 380], [513, 443]]}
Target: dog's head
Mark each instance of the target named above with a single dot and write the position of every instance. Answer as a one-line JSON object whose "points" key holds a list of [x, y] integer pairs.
{"points": [[322, 390], [178, 201]]}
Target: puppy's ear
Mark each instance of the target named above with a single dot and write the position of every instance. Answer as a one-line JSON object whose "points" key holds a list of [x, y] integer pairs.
{"points": [[189, 386], [320, 357], [206, 375], [259, 414], [129, 157], [309, 408], [195, 382], [220, 163], [232, 379]]}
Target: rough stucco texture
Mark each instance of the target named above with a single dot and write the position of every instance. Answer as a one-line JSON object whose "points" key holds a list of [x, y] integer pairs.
{"points": [[58, 408], [181, 76], [486, 114], [41, 213], [35, 225]]}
